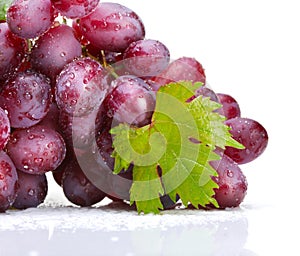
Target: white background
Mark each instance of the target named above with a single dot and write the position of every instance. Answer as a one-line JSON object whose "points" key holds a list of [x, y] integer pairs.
{"points": [[249, 49]]}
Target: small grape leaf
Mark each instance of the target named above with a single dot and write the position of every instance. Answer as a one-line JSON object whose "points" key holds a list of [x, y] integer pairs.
{"points": [[4, 5], [180, 141]]}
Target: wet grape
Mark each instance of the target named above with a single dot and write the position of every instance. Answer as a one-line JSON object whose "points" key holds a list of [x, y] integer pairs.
{"points": [[77, 188], [36, 150], [30, 19], [231, 181], [75, 8], [112, 27], [8, 182], [146, 58], [81, 87], [54, 49], [4, 128], [32, 190], [230, 107], [131, 101], [249, 133], [26, 97], [12, 51]]}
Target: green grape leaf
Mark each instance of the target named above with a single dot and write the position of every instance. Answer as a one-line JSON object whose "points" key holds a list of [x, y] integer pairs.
{"points": [[4, 5], [172, 155]]}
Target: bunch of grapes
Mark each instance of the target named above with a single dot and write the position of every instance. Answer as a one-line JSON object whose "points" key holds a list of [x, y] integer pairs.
{"points": [[70, 71]]}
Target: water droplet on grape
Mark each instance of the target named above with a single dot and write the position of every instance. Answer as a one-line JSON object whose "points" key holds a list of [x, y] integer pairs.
{"points": [[30, 192], [229, 173]]}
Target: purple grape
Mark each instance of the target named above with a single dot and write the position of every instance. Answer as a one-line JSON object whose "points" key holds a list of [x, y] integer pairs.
{"points": [[131, 101], [207, 92], [146, 57], [81, 87], [12, 50], [230, 108], [36, 150], [54, 49], [75, 8], [51, 120], [182, 69], [231, 181], [30, 19], [78, 132], [4, 129], [8, 182], [77, 187], [32, 190], [112, 27], [251, 134], [26, 97]]}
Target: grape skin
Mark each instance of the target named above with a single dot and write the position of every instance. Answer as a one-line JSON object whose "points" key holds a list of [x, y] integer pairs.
{"points": [[249, 133], [54, 49], [12, 51], [112, 27], [75, 8], [231, 181], [32, 190], [146, 57], [8, 182], [36, 150], [182, 69], [30, 19], [230, 107], [131, 101], [77, 188], [4, 129], [81, 87], [27, 98]]}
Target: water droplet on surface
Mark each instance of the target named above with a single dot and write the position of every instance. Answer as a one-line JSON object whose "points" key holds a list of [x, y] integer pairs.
{"points": [[229, 173]]}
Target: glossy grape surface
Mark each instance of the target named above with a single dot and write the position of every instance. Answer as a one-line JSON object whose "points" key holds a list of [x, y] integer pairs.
{"points": [[36, 150]]}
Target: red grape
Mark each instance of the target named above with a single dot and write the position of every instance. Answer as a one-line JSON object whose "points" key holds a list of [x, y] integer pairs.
{"points": [[4, 128], [251, 134], [230, 108], [146, 57], [112, 27], [26, 97], [75, 8], [77, 187], [231, 181], [36, 150], [182, 69], [80, 87], [131, 101], [54, 49], [8, 182], [32, 190], [12, 50], [30, 19]]}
